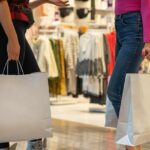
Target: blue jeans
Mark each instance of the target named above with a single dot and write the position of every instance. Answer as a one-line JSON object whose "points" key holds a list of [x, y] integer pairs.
{"points": [[128, 54]]}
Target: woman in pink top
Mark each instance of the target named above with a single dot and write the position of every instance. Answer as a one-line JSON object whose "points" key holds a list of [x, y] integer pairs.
{"points": [[133, 38]]}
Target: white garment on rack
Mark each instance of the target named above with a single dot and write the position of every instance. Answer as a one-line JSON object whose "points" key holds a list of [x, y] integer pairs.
{"points": [[100, 50], [45, 56], [86, 47], [91, 50], [91, 84], [71, 45]]}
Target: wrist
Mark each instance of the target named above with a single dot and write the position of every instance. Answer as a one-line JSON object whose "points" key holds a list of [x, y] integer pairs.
{"points": [[147, 44], [13, 38]]}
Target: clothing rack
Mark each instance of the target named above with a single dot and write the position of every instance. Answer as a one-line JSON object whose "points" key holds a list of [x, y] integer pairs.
{"points": [[49, 31], [96, 28], [93, 11]]}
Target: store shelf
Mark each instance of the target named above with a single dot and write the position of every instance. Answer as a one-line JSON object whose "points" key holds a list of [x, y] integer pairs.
{"points": [[104, 11]]}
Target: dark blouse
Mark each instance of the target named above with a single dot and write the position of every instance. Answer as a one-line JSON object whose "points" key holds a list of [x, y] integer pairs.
{"points": [[15, 9]]}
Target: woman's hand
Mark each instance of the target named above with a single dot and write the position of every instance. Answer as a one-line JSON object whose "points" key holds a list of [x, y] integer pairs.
{"points": [[60, 3], [146, 51], [13, 49]]}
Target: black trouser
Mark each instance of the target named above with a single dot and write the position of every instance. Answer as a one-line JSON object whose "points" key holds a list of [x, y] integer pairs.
{"points": [[27, 58]]}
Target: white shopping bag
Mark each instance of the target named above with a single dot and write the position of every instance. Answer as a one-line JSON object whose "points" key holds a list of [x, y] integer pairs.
{"points": [[134, 120], [24, 107], [110, 117]]}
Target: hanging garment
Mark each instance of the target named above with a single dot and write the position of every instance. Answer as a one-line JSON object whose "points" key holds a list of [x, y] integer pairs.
{"points": [[71, 42], [54, 84], [92, 85], [106, 53], [58, 85], [63, 89], [91, 65], [85, 55], [45, 56], [55, 47], [111, 44], [100, 55], [91, 57]]}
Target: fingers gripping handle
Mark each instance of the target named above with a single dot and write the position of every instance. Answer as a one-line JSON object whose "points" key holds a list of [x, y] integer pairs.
{"points": [[19, 67]]}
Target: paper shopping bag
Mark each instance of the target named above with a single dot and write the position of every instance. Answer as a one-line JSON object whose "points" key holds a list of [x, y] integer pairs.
{"points": [[24, 107], [111, 119], [134, 120]]}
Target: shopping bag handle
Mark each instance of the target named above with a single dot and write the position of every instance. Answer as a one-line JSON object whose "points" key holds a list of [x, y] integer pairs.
{"points": [[19, 67]]}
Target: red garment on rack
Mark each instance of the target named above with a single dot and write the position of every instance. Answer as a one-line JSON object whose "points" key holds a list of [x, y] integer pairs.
{"points": [[111, 43]]}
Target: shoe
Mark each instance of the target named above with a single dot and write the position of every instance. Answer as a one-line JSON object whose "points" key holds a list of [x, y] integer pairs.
{"points": [[35, 145]]}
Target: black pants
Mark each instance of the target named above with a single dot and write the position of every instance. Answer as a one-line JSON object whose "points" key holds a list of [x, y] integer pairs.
{"points": [[27, 58]]}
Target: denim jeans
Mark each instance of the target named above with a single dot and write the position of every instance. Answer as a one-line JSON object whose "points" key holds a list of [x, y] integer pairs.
{"points": [[129, 46]]}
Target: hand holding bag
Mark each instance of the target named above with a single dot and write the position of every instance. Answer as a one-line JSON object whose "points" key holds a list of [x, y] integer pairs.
{"points": [[24, 106]]}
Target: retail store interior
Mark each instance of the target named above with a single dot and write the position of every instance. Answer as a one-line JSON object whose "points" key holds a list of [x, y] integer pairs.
{"points": [[75, 45]]}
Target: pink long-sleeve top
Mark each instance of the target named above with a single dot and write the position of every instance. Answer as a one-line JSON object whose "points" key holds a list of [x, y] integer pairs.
{"points": [[124, 6]]}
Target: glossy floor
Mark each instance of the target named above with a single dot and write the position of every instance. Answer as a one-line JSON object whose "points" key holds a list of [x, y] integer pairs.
{"points": [[79, 113], [77, 136]]}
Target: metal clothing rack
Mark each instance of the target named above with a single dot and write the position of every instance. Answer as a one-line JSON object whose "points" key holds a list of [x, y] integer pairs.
{"points": [[93, 11]]}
